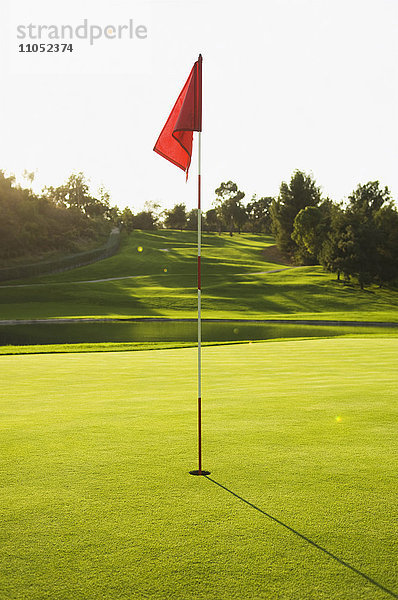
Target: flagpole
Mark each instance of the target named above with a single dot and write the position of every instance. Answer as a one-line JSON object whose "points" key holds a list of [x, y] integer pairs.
{"points": [[198, 128], [199, 308], [175, 144]]}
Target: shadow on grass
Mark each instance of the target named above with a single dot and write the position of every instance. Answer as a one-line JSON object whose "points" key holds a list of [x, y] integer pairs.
{"points": [[306, 539]]}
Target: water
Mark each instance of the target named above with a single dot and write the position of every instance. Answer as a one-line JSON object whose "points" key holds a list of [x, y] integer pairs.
{"points": [[157, 331]]}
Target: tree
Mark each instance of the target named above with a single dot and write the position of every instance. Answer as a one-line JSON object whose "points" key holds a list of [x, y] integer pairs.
{"points": [[364, 203], [258, 214], [239, 215], [149, 217], [153, 207], [363, 239], [212, 222], [145, 220], [113, 215], [29, 176], [358, 243], [176, 217], [332, 253], [310, 229], [56, 196], [301, 192], [386, 221], [77, 192], [369, 198], [127, 220], [32, 225], [75, 195], [229, 207], [192, 220]]}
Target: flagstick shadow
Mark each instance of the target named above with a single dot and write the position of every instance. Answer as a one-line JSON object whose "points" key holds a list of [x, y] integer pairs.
{"points": [[306, 539]]}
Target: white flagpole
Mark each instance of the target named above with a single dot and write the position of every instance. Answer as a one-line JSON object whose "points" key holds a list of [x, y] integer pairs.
{"points": [[199, 129], [199, 310]]}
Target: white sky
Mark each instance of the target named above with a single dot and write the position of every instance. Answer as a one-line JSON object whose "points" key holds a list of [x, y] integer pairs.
{"points": [[308, 84]]}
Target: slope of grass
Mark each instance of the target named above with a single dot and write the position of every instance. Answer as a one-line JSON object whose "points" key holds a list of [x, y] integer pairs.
{"points": [[96, 501], [160, 280], [150, 252]]}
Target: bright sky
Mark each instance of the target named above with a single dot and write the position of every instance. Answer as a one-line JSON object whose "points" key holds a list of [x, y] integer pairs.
{"points": [[307, 84]]}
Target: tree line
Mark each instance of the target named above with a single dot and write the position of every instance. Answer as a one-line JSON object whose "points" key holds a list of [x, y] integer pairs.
{"points": [[357, 238], [229, 213], [65, 218]]}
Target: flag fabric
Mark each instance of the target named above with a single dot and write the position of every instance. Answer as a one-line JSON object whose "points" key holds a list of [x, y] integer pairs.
{"points": [[175, 140]]}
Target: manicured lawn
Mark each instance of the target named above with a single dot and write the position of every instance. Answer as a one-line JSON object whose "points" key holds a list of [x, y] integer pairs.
{"points": [[161, 281], [96, 501]]}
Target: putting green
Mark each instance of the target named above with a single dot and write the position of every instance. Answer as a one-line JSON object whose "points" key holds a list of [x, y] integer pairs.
{"points": [[96, 501]]}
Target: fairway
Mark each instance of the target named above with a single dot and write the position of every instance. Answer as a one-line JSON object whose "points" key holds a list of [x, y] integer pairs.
{"points": [[96, 499], [238, 282]]}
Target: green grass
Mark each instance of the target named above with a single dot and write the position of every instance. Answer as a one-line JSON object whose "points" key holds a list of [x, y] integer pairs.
{"points": [[96, 501], [87, 347], [233, 285]]}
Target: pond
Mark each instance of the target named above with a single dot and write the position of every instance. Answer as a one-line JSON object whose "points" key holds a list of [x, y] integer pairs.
{"points": [[159, 331]]}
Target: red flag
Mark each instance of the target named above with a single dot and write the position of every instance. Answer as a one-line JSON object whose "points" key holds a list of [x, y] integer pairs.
{"points": [[175, 140]]}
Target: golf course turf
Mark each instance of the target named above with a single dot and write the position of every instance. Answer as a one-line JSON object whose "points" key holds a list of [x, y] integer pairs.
{"points": [[97, 441], [96, 499]]}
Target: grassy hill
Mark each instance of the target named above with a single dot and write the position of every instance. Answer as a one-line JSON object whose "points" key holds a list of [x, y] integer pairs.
{"points": [[154, 274]]}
